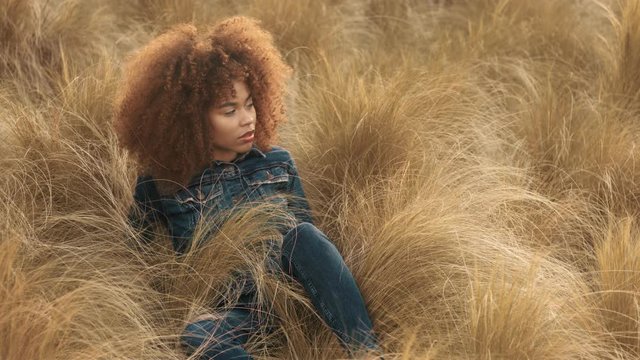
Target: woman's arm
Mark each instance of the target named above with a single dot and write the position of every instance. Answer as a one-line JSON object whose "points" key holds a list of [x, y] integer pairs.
{"points": [[146, 209], [298, 204]]}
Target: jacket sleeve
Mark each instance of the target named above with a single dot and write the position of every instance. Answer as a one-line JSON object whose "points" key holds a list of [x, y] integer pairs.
{"points": [[146, 209], [298, 204]]}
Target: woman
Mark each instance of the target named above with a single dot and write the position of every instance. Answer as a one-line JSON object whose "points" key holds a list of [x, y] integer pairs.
{"points": [[199, 113]]}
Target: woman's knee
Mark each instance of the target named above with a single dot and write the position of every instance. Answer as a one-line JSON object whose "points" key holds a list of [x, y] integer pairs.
{"points": [[307, 244], [301, 229], [301, 237]]}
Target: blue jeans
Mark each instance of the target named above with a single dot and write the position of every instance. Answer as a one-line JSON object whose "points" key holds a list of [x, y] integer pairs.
{"points": [[310, 258]]}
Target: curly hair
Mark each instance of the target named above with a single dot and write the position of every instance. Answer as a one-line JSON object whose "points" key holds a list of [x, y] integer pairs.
{"points": [[168, 86]]}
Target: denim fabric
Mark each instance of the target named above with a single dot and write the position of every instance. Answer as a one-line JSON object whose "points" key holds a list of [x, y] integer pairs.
{"points": [[310, 258], [253, 176], [223, 337], [306, 253]]}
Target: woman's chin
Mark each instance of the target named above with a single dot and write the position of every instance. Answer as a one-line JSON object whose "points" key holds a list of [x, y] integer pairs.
{"points": [[246, 146]]}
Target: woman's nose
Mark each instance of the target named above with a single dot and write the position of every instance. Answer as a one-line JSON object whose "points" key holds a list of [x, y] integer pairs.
{"points": [[249, 117]]}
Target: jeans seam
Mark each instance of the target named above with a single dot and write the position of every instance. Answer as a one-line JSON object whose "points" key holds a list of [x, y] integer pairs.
{"points": [[331, 318]]}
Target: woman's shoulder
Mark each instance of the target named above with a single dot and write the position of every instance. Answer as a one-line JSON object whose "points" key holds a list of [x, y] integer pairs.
{"points": [[278, 156], [158, 190], [146, 190], [278, 153]]}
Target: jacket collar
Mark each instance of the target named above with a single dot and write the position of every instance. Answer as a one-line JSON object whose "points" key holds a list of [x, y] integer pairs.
{"points": [[253, 152]]}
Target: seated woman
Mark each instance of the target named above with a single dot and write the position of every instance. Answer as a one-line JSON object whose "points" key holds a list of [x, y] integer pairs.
{"points": [[199, 112]]}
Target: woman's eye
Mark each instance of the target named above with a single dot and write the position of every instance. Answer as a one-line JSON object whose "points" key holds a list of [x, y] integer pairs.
{"points": [[250, 105], [230, 112]]}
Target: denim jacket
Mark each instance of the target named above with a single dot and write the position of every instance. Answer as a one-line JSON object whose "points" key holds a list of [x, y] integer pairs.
{"points": [[253, 176]]}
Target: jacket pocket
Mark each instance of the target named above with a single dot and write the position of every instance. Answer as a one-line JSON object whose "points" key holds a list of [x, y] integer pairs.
{"points": [[209, 198], [197, 202], [268, 182]]}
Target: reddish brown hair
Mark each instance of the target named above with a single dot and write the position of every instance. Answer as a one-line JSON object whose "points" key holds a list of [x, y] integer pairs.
{"points": [[168, 86]]}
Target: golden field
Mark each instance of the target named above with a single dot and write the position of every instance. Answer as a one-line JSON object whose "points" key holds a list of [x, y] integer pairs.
{"points": [[477, 162]]}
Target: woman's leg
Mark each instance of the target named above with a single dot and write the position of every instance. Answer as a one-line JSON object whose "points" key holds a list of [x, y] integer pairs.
{"points": [[222, 338], [310, 257]]}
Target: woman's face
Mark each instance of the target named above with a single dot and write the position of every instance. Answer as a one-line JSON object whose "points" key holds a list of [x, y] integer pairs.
{"points": [[230, 119]]}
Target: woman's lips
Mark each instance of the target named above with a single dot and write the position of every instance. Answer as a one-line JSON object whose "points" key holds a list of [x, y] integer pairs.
{"points": [[248, 137]]}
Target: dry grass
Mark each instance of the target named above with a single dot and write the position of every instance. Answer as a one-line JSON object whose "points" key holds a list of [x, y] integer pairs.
{"points": [[474, 161]]}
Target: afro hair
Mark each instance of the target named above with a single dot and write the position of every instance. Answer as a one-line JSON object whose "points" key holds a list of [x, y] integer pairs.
{"points": [[168, 86]]}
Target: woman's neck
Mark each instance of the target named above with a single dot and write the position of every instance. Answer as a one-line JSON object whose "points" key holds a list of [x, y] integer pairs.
{"points": [[226, 156]]}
